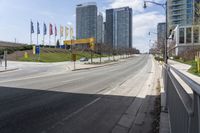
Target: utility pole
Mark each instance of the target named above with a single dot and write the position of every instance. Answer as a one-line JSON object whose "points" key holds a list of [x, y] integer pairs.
{"points": [[164, 6]]}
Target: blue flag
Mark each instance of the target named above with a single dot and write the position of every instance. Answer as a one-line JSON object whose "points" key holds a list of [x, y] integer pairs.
{"points": [[38, 28], [32, 28], [45, 29]]}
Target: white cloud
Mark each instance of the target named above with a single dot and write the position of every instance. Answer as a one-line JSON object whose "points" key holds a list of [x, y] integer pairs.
{"points": [[136, 5], [69, 23], [142, 24], [145, 22]]}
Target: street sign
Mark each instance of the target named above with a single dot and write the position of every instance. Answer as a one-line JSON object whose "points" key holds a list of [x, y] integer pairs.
{"points": [[73, 57], [34, 50], [37, 49], [80, 41], [25, 55]]}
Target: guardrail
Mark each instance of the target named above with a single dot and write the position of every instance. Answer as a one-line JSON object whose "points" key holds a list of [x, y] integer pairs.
{"points": [[183, 108]]}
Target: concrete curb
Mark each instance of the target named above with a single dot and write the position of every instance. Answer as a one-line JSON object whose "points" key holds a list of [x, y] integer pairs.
{"points": [[8, 70], [164, 116], [87, 68]]}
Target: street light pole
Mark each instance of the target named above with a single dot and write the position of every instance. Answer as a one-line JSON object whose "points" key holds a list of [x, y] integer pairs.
{"points": [[164, 6]]}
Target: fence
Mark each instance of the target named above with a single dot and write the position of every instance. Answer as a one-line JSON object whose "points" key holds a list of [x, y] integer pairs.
{"points": [[183, 108]]}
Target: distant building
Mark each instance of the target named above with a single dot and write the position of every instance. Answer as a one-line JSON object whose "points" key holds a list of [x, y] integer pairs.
{"points": [[100, 28], [104, 32], [182, 18], [161, 34], [119, 28], [184, 38], [181, 12], [86, 20]]}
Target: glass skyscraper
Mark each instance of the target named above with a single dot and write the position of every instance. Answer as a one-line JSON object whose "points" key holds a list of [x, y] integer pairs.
{"points": [[86, 20], [180, 12], [119, 27], [100, 28]]}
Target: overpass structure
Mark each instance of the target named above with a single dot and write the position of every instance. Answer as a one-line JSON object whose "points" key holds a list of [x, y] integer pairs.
{"points": [[183, 108]]}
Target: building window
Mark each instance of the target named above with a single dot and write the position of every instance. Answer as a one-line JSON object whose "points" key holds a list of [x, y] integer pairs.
{"points": [[181, 35], [196, 34], [188, 35]]}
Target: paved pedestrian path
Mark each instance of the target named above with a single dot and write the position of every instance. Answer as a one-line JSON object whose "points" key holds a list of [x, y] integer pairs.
{"points": [[184, 69]]}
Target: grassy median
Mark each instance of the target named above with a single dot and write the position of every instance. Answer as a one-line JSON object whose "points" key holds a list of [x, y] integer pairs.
{"points": [[56, 56]]}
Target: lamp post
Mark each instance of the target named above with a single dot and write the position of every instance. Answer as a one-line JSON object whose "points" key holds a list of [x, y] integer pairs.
{"points": [[164, 6]]}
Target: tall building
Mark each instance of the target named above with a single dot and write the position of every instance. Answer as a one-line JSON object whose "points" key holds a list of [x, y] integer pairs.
{"points": [[119, 27], [183, 28], [180, 12], [86, 20], [161, 33], [100, 28]]}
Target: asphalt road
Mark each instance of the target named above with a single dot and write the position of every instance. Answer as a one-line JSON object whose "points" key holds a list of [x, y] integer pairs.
{"points": [[73, 102]]}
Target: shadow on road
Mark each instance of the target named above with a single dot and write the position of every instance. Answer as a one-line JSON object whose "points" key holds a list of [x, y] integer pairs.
{"points": [[42, 111]]}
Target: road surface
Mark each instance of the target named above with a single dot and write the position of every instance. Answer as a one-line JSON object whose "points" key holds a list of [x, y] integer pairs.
{"points": [[73, 102]]}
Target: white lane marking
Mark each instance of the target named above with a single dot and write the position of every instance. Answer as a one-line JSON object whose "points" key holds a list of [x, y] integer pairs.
{"points": [[32, 77], [82, 108], [71, 115]]}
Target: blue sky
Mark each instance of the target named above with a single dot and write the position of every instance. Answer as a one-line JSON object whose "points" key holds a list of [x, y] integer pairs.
{"points": [[15, 16]]}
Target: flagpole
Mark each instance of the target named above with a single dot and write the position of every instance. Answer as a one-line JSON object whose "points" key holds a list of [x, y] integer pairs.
{"points": [[30, 38], [60, 41], [43, 39], [43, 34], [37, 39], [31, 34], [49, 40], [55, 40], [66, 36]]}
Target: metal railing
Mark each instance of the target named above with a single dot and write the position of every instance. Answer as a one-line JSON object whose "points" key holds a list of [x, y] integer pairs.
{"points": [[183, 108]]}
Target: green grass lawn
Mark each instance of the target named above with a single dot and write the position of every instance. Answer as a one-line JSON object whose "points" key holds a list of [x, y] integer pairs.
{"points": [[57, 57], [193, 64]]}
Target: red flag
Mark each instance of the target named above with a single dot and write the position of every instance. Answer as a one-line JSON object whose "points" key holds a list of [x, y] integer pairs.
{"points": [[50, 29], [55, 31]]}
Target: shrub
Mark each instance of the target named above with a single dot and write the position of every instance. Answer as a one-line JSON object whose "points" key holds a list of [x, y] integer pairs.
{"points": [[159, 58]]}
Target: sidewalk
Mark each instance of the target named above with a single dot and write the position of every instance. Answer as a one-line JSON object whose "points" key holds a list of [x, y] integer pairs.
{"points": [[62, 66], [184, 69], [3, 69], [139, 116]]}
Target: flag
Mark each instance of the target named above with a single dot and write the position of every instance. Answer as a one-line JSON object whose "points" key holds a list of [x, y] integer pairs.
{"points": [[50, 29], [66, 31], [45, 29], [71, 32], [38, 28], [55, 30], [32, 28], [61, 31]]}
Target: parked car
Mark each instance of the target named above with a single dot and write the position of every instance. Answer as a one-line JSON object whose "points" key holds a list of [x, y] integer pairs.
{"points": [[83, 59]]}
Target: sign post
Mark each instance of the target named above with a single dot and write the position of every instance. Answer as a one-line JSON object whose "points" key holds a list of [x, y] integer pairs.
{"points": [[74, 60], [5, 59], [37, 51]]}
